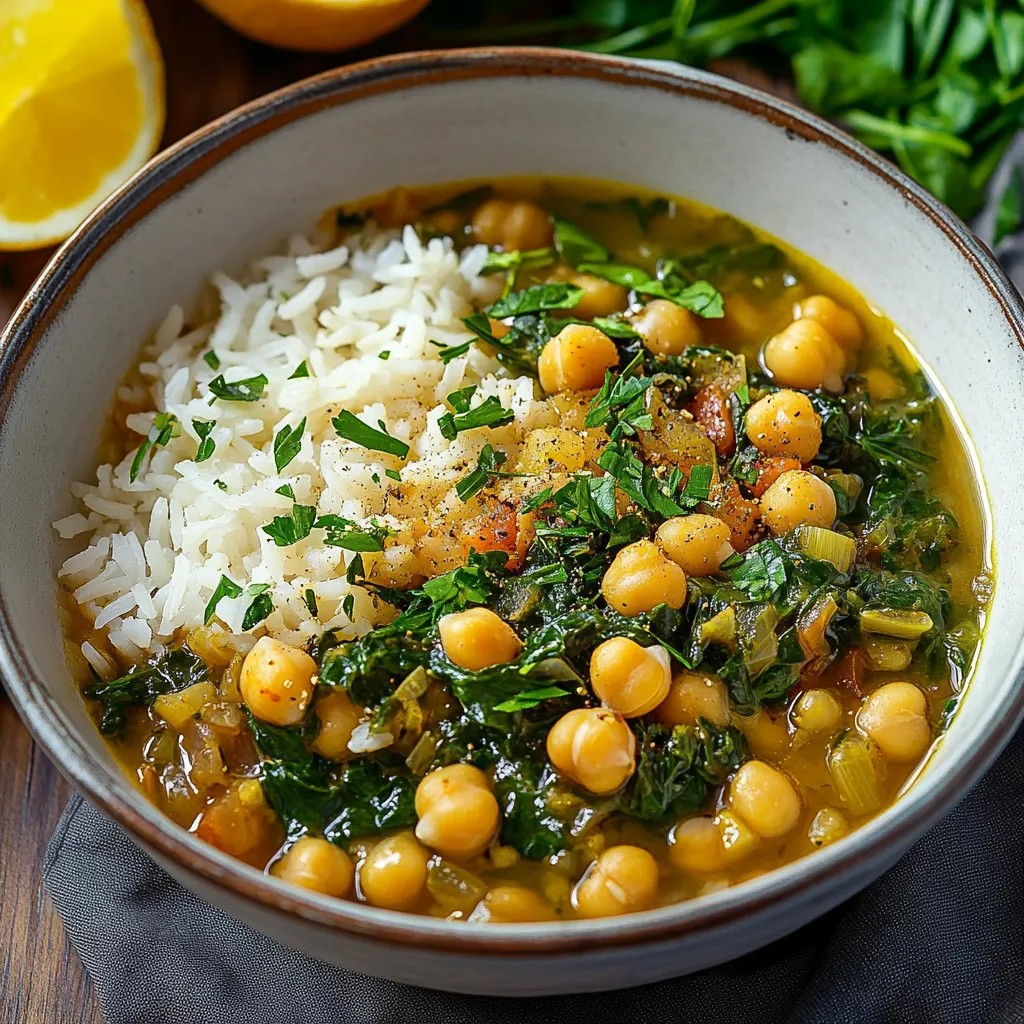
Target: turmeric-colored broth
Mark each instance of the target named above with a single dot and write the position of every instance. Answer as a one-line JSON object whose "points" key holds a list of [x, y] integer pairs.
{"points": [[171, 761]]}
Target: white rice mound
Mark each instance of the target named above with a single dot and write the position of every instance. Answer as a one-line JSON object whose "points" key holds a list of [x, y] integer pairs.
{"points": [[149, 554]]}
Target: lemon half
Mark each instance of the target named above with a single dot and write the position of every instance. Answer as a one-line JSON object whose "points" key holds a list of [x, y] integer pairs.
{"points": [[327, 25], [81, 109]]}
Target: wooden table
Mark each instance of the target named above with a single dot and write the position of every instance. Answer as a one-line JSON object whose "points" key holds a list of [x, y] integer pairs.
{"points": [[210, 70]]}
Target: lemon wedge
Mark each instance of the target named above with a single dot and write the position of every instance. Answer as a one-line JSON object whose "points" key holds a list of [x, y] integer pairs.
{"points": [[81, 109], [327, 25]]}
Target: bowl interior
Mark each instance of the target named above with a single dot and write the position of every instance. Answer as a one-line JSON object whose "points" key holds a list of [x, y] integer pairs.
{"points": [[237, 193]]}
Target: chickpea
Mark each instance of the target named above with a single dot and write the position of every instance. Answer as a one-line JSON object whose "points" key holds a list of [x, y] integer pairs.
{"points": [[882, 385], [695, 845], [338, 717], [739, 840], [394, 873], [576, 359], [839, 321], [317, 865], [895, 716], [623, 880], [667, 329], [512, 904], [511, 224], [828, 825], [600, 297], [816, 711], [277, 682], [640, 578], [478, 638], [785, 423], [804, 355], [766, 736], [697, 543], [594, 747], [630, 679], [693, 696], [798, 498], [765, 799], [457, 811]]}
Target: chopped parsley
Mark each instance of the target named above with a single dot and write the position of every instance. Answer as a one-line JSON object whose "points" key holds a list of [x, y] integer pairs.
{"points": [[302, 370], [287, 444], [489, 413], [488, 462], [165, 426], [290, 529], [309, 597], [225, 588], [350, 428], [206, 443], [248, 390], [536, 299], [530, 699], [348, 534], [286, 490], [211, 359], [262, 605]]}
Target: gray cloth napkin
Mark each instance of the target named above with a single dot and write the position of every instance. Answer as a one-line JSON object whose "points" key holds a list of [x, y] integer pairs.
{"points": [[939, 938]]}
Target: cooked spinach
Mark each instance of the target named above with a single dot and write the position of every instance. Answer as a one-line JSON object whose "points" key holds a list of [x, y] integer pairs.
{"points": [[169, 672]]}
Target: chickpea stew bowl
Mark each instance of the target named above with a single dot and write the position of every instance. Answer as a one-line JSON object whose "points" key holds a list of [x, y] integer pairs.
{"points": [[516, 583]]}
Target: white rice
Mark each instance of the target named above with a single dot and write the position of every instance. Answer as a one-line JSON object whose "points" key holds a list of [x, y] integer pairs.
{"points": [[149, 554]]}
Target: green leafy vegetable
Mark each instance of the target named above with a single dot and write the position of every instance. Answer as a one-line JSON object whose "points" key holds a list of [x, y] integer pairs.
{"points": [[531, 698], [302, 370], [489, 413], [211, 359], [348, 534], [169, 672], [262, 605], [536, 299]]}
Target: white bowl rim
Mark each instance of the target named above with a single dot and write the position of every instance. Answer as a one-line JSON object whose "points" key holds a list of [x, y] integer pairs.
{"points": [[916, 810]]}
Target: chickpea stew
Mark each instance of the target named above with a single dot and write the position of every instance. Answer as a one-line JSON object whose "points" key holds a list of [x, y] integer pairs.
{"points": [[709, 618]]}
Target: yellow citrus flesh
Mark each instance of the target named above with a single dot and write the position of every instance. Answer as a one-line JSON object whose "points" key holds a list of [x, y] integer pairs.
{"points": [[81, 109], [325, 25]]}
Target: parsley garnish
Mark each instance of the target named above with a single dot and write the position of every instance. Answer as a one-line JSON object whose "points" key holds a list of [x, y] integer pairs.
{"points": [[488, 462], [310, 598], [302, 370], [286, 490], [248, 390], [622, 398], [287, 530], [211, 359], [393, 474], [348, 606], [206, 443], [260, 608], [348, 534], [225, 588], [287, 444], [351, 428], [385, 355], [489, 413], [536, 299], [162, 430]]}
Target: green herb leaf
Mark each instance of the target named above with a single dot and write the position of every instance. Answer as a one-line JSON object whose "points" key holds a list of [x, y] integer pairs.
{"points": [[260, 608], [393, 474], [225, 588], [698, 484], [531, 698], [351, 428], [489, 413], [348, 534], [310, 599], [286, 490], [248, 390], [576, 246], [302, 370], [206, 443], [162, 430], [488, 462], [287, 530], [287, 444], [211, 359], [348, 606], [536, 299]]}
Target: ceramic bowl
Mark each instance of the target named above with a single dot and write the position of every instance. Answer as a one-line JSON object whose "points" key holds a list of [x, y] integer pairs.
{"points": [[237, 188]]}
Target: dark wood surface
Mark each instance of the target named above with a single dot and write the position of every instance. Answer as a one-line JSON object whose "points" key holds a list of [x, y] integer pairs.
{"points": [[210, 70]]}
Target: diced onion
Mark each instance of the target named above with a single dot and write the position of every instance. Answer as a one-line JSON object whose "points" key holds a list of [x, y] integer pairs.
{"points": [[888, 655], [364, 739], [760, 644], [177, 708]]}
